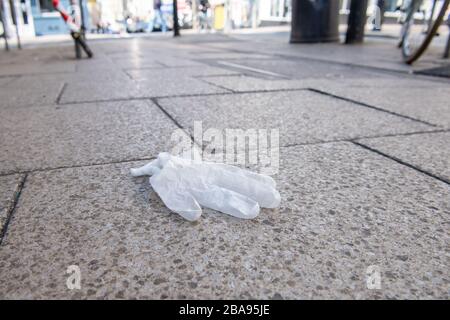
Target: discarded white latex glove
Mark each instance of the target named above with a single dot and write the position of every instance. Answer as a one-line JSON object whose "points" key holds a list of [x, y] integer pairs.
{"points": [[184, 186]]}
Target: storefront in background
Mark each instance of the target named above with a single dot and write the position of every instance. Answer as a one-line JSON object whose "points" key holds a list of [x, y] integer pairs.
{"points": [[34, 17], [46, 19], [18, 12], [236, 14], [274, 12]]}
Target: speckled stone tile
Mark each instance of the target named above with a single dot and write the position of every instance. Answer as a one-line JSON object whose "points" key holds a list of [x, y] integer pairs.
{"points": [[174, 84], [138, 63], [386, 81], [68, 135], [301, 69], [171, 61], [245, 83], [30, 92], [4, 81], [229, 56], [343, 209], [37, 67], [45, 89], [100, 62], [301, 116], [149, 74], [427, 103], [8, 187], [40, 55], [429, 152], [86, 88]]}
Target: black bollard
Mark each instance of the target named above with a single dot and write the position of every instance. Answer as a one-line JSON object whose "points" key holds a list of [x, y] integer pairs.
{"points": [[356, 21], [176, 27], [315, 21]]}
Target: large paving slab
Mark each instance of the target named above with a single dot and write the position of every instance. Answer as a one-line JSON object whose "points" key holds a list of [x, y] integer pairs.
{"points": [[245, 83], [402, 82], [46, 89], [160, 74], [170, 61], [4, 81], [174, 84], [39, 54], [138, 63], [376, 53], [30, 92], [101, 63], [27, 68], [229, 56], [430, 104], [429, 152], [302, 69], [343, 210], [8, 188], [300, 116], [157, 82], [86, 87], [68, 135]]}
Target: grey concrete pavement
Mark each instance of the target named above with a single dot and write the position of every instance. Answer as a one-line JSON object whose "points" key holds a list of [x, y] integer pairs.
{"points": [[426, 151], [331, 225], [9, 186], [82, 134], [301, 116], [429, 104], [363, 176]]}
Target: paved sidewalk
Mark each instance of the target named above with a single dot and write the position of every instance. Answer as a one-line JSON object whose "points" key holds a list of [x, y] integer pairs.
{"points": [[364, 171]]}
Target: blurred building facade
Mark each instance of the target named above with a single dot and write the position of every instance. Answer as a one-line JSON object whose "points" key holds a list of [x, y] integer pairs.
{"points": [[37, 17], [34, 17], [18, 12]]}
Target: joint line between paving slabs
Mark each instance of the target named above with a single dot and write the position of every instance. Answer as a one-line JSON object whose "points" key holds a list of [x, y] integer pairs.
{"points": [[155, 101], [220, 75], [194, 95], [128, 75], [61, 92], [353, 140], [213, 84], [278, 56], [364, 137], [370, 106], [12, 207], [401, 162], [77, 166]]}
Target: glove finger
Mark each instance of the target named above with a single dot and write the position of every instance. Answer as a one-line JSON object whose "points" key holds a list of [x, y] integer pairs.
{"points": [[261, 178], [227, 201], [179, 201], [147, 170], [182, 203]]}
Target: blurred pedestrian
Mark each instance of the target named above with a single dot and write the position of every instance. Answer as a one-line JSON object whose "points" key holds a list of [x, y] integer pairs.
{"points": [[204, 14], [158, 17], [380, 9]]}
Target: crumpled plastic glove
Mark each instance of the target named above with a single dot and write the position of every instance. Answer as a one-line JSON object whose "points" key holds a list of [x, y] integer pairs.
{"points": [[185, 186]]}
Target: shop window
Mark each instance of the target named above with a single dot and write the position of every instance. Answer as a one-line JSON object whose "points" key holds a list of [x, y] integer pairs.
{"points": [[279, 8], [46, 5]]}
